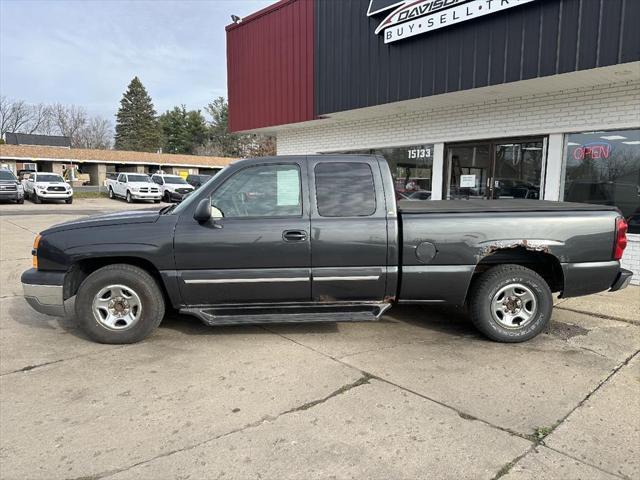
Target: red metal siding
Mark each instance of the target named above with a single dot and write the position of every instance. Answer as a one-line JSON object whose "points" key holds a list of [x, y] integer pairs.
{"points": [[270, 66]]}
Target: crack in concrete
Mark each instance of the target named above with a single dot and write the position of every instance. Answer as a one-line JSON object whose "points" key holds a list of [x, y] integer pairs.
{"points": [[460, 413], [29, 368], [540, 441], [600, 315], [364, 379]]}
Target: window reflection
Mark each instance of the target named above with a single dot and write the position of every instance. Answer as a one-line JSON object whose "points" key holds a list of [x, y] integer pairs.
{"points": [[604, 168]]}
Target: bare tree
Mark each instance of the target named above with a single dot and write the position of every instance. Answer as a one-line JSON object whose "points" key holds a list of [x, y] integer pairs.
{"points": [[97, 133], [69, 121], [15, 115]]}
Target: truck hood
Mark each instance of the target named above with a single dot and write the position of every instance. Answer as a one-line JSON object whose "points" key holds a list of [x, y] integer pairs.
{"points": [[117, 218], [142, 185]]}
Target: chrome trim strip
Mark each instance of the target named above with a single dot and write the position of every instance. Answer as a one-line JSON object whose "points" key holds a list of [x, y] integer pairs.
{"points": [[247, 280], [350, 278]]}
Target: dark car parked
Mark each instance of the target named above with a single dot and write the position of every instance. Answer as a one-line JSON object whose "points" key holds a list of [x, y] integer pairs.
{"points": [[321, 238], [10, 188], [198, 180]]}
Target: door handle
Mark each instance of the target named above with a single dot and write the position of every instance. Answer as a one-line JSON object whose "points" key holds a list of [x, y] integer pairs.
{"points": [[294, 235]]}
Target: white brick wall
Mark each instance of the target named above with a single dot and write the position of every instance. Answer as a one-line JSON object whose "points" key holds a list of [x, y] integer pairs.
{"points": [[582, 109], [606, 107], [631, 258]]}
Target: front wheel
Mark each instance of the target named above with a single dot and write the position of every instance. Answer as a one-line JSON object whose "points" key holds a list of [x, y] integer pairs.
{"points": [[119, 304], [36, 198], [20, 201], [111, 195], [69, 200], [510, 303], [167, 197], [128, 197]]}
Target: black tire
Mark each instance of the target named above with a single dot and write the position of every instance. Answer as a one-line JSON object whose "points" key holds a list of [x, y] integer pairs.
{"points": [[128, 197], [20, 201], [36, 199], [156, 201], [167, 197], [132, 277], [489, 286], [111, 194]]}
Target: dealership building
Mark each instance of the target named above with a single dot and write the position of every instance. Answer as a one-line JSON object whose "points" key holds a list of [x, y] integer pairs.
{"points": [[536, 99]]}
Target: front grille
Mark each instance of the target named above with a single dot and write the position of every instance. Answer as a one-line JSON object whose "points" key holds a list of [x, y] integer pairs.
{"points": [[9, 188], [56, 189], [144, 190]]}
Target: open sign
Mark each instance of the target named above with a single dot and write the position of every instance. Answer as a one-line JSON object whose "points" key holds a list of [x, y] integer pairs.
{"points": [[596, 150]]}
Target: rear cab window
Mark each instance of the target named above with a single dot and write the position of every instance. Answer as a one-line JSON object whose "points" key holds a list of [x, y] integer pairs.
{"points": [[345, 189]]}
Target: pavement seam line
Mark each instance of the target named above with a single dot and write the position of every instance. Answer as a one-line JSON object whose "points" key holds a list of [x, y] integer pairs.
{"points": [[601, 316], [363, 380], [564, 454], [507, 467], [460, 413], [20, 226]]}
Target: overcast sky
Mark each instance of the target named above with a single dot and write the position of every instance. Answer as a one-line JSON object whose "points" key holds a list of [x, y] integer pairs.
{"points": [[86, 52]]}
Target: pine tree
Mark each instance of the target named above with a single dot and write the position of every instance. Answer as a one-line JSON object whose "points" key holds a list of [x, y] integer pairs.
{"points": [[136, 124], [183, 131]]}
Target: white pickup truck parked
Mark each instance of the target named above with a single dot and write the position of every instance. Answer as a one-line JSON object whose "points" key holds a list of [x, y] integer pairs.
{"points": [[174, 187], [133, 186], [39, 186]]}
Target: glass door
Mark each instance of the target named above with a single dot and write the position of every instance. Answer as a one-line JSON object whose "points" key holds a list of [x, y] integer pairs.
{"points": [[500, 169], [517, 170], [468, 172]]}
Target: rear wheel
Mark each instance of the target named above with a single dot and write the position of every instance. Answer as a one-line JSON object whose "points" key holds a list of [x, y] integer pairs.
{"points": [[119, 304], [510, 303]]}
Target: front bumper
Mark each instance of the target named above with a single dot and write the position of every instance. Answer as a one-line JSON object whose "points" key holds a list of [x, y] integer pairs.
{"points": [[44, 291], [622, 281], [54, 195], [146, 196], [11, 195], [177, 196]]}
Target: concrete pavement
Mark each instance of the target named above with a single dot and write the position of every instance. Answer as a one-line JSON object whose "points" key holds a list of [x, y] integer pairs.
{"points": [[418, 395]]}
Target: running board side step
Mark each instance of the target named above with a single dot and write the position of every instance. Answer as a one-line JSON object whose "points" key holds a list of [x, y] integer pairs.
{"points": [[248, 315]]}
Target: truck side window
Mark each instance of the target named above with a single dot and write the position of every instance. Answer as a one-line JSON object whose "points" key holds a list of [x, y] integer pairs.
{"points": [[261, 191], [345, 189]]}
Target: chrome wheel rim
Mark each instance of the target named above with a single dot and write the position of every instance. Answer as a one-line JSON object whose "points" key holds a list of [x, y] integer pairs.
{"points": [[514, 306], [117, 307]]}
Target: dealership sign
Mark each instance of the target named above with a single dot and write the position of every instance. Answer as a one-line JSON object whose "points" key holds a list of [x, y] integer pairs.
{"points": [[413, 17]]}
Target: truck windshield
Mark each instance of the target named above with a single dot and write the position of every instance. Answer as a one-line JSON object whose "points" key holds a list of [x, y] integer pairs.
{"points": [[6, 175], [43, 177], [175, 180], [139, 178]]}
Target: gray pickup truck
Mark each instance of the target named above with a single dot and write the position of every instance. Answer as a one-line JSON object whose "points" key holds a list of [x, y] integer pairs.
{"points": [[321, 238]]}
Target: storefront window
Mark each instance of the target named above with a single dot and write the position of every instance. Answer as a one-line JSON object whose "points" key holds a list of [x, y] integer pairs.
{"points": [[411, 168], [604, 168]]}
